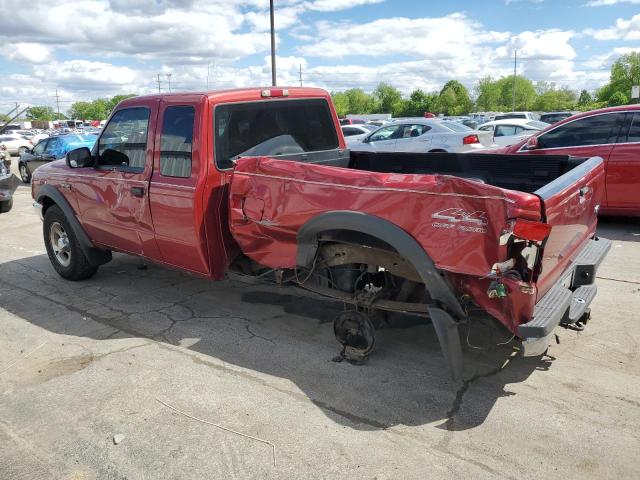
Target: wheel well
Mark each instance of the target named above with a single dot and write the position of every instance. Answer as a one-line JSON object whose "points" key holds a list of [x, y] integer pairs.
{"points": [[46, 202]]}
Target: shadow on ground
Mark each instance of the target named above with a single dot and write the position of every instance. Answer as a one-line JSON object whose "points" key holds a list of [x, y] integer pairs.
{"points": [[626, 229], [274, 331]]}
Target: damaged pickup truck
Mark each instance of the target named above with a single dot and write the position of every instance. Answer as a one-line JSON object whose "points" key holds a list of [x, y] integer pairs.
{"points": [[258, 181]]}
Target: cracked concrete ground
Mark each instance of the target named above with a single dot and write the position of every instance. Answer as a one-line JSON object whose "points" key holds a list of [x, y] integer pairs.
{"points": [[82, 362]]}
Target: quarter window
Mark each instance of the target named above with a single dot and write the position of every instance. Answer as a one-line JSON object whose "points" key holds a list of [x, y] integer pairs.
{"points": [[594, 130], [124, 140], [176, 141]]}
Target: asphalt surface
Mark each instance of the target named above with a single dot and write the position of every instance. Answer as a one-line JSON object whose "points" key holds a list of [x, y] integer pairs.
{"points": [[235, 379]]}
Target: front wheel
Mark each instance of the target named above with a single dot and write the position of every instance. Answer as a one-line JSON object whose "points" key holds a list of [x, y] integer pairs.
{"points": [[25, 174], [63, 248]]}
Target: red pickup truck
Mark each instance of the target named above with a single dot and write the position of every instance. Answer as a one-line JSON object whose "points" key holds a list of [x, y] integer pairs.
{"points": [[259, 181]]}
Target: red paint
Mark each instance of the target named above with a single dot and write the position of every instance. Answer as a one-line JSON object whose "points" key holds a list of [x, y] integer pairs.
{"points": [[202, 223]]}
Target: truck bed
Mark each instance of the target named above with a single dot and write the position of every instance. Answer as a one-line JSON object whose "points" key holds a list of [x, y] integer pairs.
{"points": [[457, 207]]}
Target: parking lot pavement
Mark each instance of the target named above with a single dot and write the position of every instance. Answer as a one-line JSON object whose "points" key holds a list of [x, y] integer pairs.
{"points": [[165, 360]]}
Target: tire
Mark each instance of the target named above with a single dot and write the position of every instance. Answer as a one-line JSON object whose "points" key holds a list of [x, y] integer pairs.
{"points": [[63, 248], [25, 174], [22, 150]]}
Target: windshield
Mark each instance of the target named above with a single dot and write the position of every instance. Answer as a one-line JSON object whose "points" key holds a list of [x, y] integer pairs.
{"points": [[279, 127], [455, 126]]}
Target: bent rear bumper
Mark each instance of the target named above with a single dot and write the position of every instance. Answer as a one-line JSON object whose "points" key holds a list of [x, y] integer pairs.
{"points": [[567, 300]]}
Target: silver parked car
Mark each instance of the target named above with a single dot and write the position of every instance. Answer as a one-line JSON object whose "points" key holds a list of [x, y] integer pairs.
{"points": [[422, 135]]}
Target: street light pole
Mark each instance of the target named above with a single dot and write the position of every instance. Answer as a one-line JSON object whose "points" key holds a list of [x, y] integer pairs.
{"points": [[273, 46]]}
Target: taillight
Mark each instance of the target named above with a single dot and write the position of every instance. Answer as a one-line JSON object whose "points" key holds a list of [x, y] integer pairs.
{"points": [[274, 92], [469, 139], [530, 230]]}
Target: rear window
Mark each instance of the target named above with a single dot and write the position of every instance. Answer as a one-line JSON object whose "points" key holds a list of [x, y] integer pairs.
{"points": [[456, 127], [538, 125], [271, 128]]}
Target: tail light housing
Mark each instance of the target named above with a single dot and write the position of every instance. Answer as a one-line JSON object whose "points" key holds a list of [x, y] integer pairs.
{"points": [[274, 92], [530, 230], [470, 139]]}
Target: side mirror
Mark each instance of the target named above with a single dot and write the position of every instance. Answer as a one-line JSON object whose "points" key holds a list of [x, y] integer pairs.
{"points": [[78, 158], [531, 144]]}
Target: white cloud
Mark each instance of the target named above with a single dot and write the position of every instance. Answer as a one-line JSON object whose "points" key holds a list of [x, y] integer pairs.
{"points": [[622, 30], [602, 3], [26, 52], [431, 37], [335, 5]]}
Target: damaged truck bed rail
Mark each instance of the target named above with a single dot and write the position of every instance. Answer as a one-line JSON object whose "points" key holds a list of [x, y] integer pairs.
{"points": [[259, 181]]}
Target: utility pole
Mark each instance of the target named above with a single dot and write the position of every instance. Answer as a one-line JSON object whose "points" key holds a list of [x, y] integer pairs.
{"points": [[169, 77], [515, 69], [273, 45], [58, 103], [158, 83], [300, 74]]}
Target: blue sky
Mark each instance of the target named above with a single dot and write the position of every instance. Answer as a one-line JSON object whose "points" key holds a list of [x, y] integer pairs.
{"points": [[91, 48]]}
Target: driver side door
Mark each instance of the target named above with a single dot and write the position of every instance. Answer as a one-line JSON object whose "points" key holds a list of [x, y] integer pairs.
{"points": [[384, 139], [112, 195]]}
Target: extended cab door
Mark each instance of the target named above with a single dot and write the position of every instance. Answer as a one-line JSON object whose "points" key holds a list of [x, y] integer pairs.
{"points": [[113, 197], [179, 165], [623, 168]]}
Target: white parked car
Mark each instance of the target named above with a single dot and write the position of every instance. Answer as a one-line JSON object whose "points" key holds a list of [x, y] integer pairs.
{"points": [[35, 137], [521, 115], [357, 131], [422, 135], [16, 144], [511, 131]]}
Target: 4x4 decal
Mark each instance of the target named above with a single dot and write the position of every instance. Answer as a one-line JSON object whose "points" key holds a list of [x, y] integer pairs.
{"points": [[460, 219]]}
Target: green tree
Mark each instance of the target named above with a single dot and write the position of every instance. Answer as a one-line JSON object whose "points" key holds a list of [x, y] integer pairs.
{"points": [[387, 99], [553, 100], [525, 93], [454, 99], [584, 99], [618, 98], [625, 72], [41, 113], [487, 95], [418, 103], [340, 102]]}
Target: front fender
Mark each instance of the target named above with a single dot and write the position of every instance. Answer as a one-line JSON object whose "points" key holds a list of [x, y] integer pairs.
{"points": [[48, 195]]}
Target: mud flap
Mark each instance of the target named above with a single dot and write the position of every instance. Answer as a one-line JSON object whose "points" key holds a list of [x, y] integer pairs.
{"points": [[447, 330]]}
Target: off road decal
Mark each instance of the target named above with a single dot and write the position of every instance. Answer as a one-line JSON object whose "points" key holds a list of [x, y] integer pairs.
{"points": [[461, 220]]}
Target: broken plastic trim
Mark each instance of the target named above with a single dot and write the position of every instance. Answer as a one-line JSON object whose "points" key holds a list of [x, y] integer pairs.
{"points": [[530, 230]]}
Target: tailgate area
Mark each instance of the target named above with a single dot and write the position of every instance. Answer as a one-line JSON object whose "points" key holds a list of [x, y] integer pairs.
{"points": [[568, 299]]}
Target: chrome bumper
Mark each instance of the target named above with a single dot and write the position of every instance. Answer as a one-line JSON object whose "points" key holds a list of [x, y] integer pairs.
{"points": [[38, 208]]}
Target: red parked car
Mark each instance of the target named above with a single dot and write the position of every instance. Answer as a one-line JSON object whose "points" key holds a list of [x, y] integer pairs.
{"points": [[259, 181], [610, 133]]}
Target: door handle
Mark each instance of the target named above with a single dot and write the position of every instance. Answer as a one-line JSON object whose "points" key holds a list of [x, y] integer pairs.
{"points": [[137, 191]]}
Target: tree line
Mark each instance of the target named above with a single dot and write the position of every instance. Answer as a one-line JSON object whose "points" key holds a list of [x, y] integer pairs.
{"points": [[98, 109], [494, 95]]}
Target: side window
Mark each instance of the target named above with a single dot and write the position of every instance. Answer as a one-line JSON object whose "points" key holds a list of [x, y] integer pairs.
{"points": [[347, 132], [505, 130], [386, 133], [124, 140], [176, 141], [488, 128], [594, 130], [39, 148], [634, 130], [55, 147]]}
